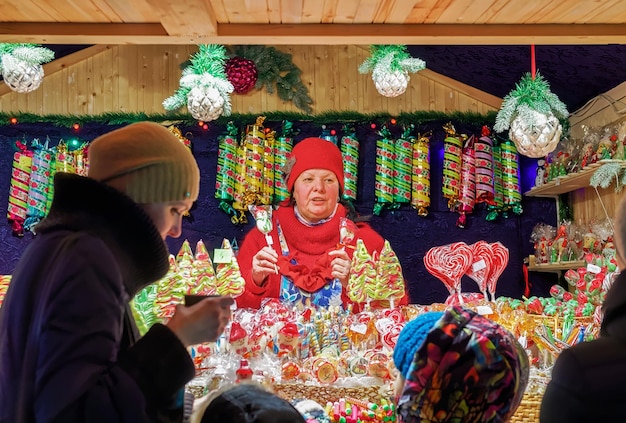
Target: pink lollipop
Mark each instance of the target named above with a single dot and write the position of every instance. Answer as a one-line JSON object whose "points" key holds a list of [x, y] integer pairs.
{"points": [[449, 263], [481, 266], [500, 259]]}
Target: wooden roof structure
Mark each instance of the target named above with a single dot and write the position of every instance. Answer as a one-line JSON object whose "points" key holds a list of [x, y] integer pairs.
{"points": [[314, 22]]}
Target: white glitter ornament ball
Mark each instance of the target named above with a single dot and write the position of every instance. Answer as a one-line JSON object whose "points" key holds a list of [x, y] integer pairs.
{"points": [[391, 84], [21, 76], [205, 103], [535, 137]]}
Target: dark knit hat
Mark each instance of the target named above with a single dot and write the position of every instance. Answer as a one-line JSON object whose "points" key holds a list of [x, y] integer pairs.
{"points": [[315, 153], [148, 161], [250, 403], [411, 338]]}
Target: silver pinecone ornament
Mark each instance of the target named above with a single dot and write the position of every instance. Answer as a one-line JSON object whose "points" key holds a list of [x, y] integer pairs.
{"points": [[535, 134], [205, 103], [391, 84], [21, 76]]}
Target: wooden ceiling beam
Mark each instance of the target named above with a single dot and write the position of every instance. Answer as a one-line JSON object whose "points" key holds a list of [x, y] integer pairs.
{"points": [[186, 18], [314, 34]]}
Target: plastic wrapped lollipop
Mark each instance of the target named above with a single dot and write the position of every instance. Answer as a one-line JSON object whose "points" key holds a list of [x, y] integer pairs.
{"points": [[263, 217]]}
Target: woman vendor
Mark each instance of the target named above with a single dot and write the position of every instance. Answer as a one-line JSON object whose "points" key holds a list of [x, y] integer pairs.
{"points": [[303, 258]]}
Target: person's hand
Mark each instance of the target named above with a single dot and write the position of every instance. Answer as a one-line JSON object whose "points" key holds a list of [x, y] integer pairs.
{"points": [[202, 322], [340, 265], [264, 264]]}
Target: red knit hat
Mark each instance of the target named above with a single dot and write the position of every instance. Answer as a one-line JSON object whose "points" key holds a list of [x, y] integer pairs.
{"points": [[315, 153]]}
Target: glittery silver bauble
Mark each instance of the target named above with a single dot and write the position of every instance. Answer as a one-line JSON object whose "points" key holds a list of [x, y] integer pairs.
{"points": [[205, 103], [391, 84], [537, 136], [21, 76]]}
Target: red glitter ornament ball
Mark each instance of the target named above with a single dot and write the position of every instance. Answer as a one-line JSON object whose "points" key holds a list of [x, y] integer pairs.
{"points": [[241, 73]]}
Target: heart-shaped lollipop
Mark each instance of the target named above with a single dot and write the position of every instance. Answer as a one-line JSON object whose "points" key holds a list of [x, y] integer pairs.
{"points": [[481, 266], [449, 263], [500, 259]]}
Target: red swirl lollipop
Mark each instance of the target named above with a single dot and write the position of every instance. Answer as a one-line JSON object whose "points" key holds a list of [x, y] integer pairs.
{"points": [[481, 266], [500, 259], [449, 263]]}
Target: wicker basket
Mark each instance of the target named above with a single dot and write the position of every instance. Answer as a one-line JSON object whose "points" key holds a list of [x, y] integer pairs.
{"points": [[324, 394], [528, 410]]}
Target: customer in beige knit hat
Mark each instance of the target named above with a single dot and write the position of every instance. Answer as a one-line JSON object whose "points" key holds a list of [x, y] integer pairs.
{"points": [[69, 347]]}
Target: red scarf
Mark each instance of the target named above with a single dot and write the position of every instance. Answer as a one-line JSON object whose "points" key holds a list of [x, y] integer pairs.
{"points": [[305, 278]]}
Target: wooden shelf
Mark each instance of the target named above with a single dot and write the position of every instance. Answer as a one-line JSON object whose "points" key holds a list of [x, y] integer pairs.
{"points": [[553, 267], [567, 183]]}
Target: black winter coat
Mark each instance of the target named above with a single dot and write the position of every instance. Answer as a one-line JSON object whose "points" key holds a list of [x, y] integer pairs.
{"points": [[589, 379], [68, 344]]}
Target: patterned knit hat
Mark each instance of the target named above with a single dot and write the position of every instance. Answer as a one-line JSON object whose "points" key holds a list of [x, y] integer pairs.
{"points": [[411, 339], [148, 161], [468, 369], [315, 153]]}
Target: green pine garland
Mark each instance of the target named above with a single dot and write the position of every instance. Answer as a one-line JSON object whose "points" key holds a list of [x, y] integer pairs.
{"points": [[529, 95], [185, 119], [276, 70]]}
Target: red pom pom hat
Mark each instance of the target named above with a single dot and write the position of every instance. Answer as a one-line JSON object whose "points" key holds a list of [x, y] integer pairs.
{"points": [[315, 153]]}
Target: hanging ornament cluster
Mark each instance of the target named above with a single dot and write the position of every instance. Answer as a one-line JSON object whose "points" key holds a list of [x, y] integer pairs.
{"points": [[21, 65], [390, 66], [402, 171], [271, 69], [204, 87], [242, 73], [32, 176], [531, 113]]}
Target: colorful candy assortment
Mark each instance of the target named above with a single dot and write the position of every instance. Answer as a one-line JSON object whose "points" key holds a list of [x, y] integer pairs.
{"points": [[188, 274], [375, 277]]}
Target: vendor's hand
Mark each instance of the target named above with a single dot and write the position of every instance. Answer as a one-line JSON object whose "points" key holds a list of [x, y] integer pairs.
{"points": [[264, 264], [340, 265], [202, 322]]}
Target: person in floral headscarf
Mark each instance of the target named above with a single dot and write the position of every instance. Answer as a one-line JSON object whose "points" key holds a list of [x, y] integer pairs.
{"points": [[457, 366]]}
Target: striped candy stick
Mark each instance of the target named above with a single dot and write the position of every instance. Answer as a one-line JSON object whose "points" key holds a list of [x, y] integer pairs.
{"points": [[267, 185], [350, 155], [511, 190], [451, 184], [38, 185], [385, 156], [18, 190], [483, 147], [420, 175], [402, 167], [282, 151], [468, 183], [226, 164]]}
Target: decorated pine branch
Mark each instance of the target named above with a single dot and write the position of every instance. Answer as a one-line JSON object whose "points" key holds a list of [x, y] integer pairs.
{"points": [[390, 66], [204, 87], [21, 65], [275, 72], [531, 113]]}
